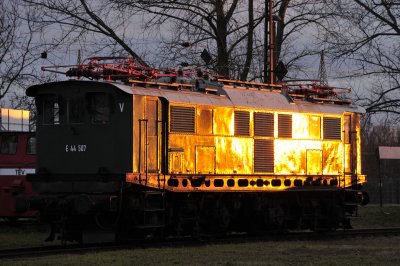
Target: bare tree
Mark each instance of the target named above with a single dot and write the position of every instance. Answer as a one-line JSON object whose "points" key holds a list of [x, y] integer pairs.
{"points": [[365, 36], [87, 21], [216, 25], [231, 31], [15, 47]]}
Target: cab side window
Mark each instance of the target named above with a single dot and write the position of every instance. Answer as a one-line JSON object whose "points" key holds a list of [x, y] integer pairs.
{"points": [[9, 144], [31, 145], [99, 107], [49, 109], [76, 110]]}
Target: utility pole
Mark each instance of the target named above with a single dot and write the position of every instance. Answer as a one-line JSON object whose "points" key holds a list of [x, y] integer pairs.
{"points": [[266, 42], [271, 44]]}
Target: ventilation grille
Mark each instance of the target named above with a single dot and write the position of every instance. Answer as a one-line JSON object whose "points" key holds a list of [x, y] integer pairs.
{"points": [[332, 128], [264, 124], [242, 123], [284, 126], [263, 156], [182, 119]]}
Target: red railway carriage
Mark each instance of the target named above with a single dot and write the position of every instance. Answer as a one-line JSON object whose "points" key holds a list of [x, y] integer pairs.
{"points": [[17, 158]]}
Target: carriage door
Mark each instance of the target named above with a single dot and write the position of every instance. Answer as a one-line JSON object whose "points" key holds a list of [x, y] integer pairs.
{"points": [[150, 137]]}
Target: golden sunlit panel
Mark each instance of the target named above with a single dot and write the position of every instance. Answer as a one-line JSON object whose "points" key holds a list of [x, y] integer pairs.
{"points": [[138, 114], [204, 121], [175, 162], [332, 158], [314, 162], [291, 155], [289, 159], [185, 144], [205, 160], [347, 158], [306, 126], [242, 151], [234, 155], [358, 139], [222, 160], [347, 129], [300, 126], [224, 123], [315, 127]]}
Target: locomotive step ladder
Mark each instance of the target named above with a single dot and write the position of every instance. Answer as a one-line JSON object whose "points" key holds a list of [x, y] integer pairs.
{"points": [[152, 212]]}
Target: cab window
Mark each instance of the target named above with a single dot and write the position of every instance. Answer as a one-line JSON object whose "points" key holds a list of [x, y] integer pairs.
{"points": [[9, 144], [76, 110], [50, 109], [99, 107], [31, 145]]}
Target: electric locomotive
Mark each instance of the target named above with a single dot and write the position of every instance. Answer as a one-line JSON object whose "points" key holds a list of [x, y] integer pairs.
{"points": [[139, 152]]}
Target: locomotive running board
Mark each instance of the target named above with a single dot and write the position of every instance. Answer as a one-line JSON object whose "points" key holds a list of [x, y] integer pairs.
{"points": [[241, 183]]}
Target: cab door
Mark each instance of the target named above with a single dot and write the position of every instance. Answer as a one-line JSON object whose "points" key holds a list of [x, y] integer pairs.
{"points": [[150, 137]]}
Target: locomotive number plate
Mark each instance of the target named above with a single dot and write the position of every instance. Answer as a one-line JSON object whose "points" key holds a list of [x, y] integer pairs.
{"points": [[75, 148]]}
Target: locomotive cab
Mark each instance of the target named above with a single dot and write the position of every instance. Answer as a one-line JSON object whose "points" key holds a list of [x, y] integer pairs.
{"points": [[86, 127], [84, 146]]}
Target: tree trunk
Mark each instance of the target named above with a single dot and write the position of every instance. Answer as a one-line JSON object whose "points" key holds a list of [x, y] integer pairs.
{"points": [[222, 66]]}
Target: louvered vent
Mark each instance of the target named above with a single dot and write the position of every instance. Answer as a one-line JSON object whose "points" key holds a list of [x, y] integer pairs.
{"points": [[242, 123], [264, 124], [332, 128], [284, 126], [263, 156], [182, 119]]}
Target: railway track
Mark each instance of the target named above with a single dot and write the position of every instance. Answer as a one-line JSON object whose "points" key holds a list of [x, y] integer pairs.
{"points": [[235, 238]]}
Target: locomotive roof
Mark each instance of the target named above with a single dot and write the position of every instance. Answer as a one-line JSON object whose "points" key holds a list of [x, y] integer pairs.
{"points": [[239, 97]]}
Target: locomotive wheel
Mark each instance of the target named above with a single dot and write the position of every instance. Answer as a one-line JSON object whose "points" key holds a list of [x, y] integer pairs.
{"points": [[106, 220]]}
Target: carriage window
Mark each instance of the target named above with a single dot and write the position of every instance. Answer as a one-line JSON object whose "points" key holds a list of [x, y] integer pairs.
{"points": [[99, 107], [76, 111], [51, 109], [9, 144], [31, 145]]}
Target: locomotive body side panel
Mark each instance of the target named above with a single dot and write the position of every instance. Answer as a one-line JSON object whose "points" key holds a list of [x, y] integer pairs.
{"points": [[259, 137]]}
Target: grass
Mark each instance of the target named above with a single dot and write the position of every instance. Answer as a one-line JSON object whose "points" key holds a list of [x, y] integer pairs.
{"points": [[359, 251], [373, 216], [366, 251], [21, 236]]}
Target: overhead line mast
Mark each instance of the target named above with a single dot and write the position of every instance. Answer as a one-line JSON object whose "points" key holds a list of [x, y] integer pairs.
{"points": [[322, 76], [269, 44]]}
